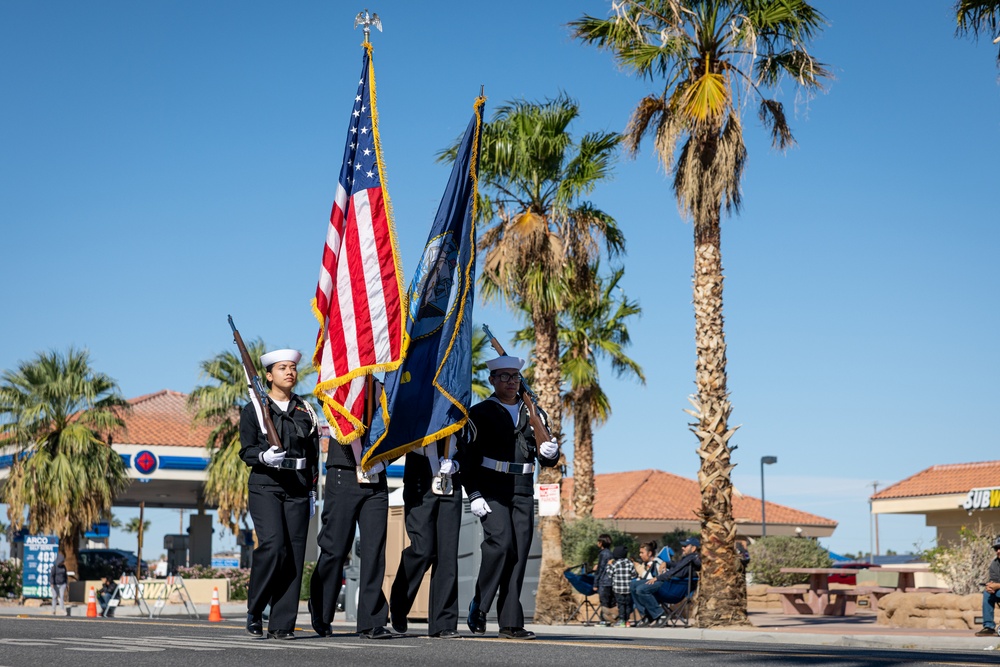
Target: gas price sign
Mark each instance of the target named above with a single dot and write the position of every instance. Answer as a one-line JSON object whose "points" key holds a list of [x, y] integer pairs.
{"points": [[39, 555]]}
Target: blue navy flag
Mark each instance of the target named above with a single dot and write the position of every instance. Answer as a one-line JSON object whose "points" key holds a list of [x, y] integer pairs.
{"points": [[426, 399]]}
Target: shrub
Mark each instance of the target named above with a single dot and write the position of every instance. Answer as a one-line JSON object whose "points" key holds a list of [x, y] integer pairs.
{"points": [[10, 579], [238, 578], [769, 554], [579, 541], [966, 563]]}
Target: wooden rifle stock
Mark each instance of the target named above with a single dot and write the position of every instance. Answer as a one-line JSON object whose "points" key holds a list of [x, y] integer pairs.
{"points": [[541, 431], [257, 387]]}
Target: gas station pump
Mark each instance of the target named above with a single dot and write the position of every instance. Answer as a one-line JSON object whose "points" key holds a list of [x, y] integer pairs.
{"points": [[176, 547]]}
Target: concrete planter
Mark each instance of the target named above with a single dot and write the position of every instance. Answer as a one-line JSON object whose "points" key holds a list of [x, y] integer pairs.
{"points": [[200, 590]]}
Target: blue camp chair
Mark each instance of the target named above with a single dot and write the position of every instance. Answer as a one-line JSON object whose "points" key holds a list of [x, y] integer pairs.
{"points": [[676, 596], [583, 583], [666, 555]]}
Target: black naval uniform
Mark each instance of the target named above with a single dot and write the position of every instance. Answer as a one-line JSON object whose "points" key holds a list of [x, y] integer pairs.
{"points": [[279, 505], [347, 504], [509, 527], [432, 524]]}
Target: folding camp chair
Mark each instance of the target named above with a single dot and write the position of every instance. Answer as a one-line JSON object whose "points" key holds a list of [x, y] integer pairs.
{"points": [[583, 583], [676, 597], [666, 555]]}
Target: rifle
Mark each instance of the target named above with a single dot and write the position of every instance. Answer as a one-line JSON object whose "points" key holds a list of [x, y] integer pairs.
{"points": [[541, 431], [256, 387]]}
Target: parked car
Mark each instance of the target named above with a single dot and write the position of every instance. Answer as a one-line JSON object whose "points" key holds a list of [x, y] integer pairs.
{"points": [[93, 564], [849, 577]]}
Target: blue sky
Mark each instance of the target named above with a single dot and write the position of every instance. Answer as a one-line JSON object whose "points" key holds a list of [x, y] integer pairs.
{"points": [[165, 164]]}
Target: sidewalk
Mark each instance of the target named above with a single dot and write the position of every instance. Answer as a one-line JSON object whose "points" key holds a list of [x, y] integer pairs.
{"points": [[766, 627]]}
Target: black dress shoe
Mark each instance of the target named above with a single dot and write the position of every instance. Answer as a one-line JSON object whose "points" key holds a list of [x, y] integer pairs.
{"points": [[375, 633], [398, 620], [477, 619], [661, 622], [446, 634], [254, 626], [516, 633], [280, 634], [319, 627]]}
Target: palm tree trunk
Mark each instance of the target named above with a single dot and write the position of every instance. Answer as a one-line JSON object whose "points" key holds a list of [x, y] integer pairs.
{"points": [[722, 591], [554, 601], [583, 462]]}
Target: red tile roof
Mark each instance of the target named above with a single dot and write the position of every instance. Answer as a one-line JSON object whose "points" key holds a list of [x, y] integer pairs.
{"points": [[162, 418], [658, 495], [944, 479]]}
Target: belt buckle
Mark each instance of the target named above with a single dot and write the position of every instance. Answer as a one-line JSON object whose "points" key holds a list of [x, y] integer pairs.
{"points": [[499, 466]]}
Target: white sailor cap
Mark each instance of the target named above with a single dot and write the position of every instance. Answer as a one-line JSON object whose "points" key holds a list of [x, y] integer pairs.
{"points": [[505, 362], [275, 356]]}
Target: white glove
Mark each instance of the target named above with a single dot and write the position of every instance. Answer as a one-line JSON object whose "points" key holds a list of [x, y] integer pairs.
{"points": [[479, 507], [273, 457], [312, 504], [448, 466], [548, 449]]}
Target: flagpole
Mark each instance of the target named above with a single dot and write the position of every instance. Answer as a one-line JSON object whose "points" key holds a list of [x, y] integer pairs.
{"points": [[366, 21]]}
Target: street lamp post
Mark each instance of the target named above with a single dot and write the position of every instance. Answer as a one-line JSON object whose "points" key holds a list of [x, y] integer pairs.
{"points": [[764, 460]]}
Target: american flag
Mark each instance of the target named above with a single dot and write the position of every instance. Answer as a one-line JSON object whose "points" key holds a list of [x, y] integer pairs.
{"points": [[358, 295]]}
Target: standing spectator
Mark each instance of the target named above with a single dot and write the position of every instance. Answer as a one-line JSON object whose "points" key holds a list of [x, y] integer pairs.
{"points": [[622, 573], [57, 580], [990, 597], [602, 579]]}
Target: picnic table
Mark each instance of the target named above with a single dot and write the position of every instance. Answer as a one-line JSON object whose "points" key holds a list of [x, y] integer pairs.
{"points": [[817, 599]]}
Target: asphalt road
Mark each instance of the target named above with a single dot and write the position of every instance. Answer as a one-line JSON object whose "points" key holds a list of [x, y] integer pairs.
{"points": [[50, 642]]}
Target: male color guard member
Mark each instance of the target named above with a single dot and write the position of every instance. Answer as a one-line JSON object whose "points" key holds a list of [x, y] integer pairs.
{"points": [[432, 505], [498, 474]]}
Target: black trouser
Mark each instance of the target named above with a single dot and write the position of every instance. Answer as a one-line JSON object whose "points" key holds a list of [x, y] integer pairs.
{"points": [[432, 524], [282, 524], [507, 533], [347, 504]]}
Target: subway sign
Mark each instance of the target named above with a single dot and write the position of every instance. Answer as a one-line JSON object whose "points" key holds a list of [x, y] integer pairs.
{"points": [[982, 499]]}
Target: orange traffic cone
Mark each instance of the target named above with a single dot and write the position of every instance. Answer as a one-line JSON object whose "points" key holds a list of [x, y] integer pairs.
{"points": [[91, 604], [215, 612]]}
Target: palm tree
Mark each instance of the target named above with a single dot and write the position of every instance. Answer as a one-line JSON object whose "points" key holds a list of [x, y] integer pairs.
{"points": [[480, 351], [593, 329], [974, 16], [61, 414], [533, 178], [219, 405], [133, 527], [714, 56]]}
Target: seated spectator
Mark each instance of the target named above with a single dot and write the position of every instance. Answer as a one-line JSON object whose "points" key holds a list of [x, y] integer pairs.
{"points": [[104, 596], [990, 594], [741, 549], [653, 566], [622, 573], [644, 594]]}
